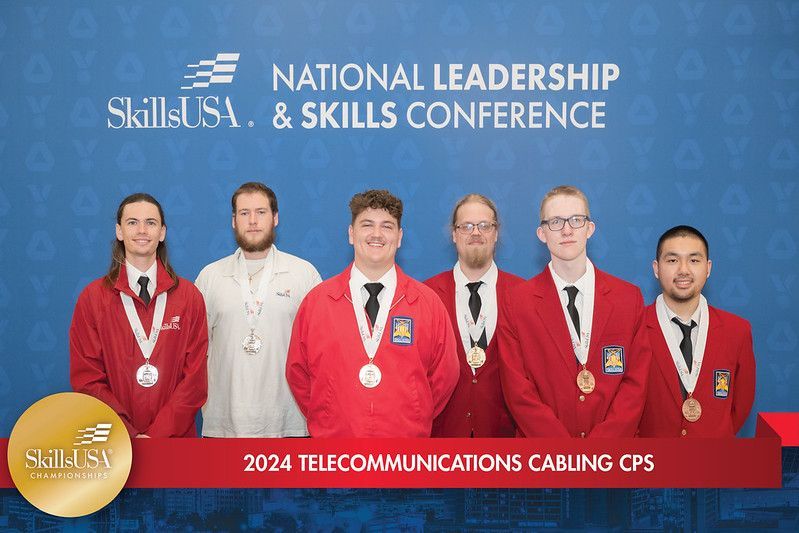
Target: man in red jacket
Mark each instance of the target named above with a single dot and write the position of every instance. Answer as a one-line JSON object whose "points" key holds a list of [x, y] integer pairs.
{"points": [[372, 353], [139, 339], [574, 355], [702, 380], [471, 292]]}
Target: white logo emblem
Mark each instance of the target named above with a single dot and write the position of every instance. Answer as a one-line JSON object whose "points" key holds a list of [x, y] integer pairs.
{"points": [[98, 433], [208, 71]]}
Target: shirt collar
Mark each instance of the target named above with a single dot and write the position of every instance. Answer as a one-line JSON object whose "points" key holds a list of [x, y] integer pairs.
{"points": [[581, 283], [134, 274], [671, 314], [489, 278], [280, 267], [387, 279]]}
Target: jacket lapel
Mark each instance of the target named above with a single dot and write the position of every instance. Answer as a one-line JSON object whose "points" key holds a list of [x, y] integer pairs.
{"points": [[550, 312], [662, 355], [603, 308]]}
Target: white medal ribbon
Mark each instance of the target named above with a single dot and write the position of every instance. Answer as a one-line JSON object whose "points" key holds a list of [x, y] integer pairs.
{"points": [[371, 341], [146, 343], [254, 302], [688, 379], [582, 342], [475, 329]]}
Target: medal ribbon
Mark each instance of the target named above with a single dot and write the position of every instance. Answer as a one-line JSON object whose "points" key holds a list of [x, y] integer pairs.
{"points": [[146, 344], [254, 303], [371, 341], [475, 329], [582, 342], [688, 379]]}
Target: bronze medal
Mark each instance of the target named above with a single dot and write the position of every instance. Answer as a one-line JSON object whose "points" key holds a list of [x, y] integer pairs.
{"points": [[585, 381], [691, 409], [476, 357]]}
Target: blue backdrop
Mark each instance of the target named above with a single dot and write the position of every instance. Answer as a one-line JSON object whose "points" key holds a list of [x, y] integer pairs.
{"points": [[700, 129]]}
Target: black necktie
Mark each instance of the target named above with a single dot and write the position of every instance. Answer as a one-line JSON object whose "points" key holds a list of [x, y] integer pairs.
{"points": [[572, 291], [144, 294], [686, 348], [475, 304], [372, 305]]}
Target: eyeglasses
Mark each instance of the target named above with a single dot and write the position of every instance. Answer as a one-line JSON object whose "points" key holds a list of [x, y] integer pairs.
{"points": [[575, 221], [483, 227]]}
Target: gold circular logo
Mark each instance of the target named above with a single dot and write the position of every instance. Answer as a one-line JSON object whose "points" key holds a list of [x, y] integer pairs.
{"points": [[69, 454]]}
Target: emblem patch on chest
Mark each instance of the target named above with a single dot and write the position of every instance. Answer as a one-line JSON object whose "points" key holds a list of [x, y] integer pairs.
{"points": [[401, 330], [613, 359], [721, 383]]}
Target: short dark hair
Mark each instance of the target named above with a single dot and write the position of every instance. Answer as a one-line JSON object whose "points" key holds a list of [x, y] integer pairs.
{"points": [[255, 186], [376, 199], [477, 198], [681, 231]]}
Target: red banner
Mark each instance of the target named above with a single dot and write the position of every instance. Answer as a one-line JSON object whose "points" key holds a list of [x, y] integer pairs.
{"points": [[414, 463], [457, 463]]}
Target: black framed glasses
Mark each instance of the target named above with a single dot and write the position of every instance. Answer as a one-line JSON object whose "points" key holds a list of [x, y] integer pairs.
{"points": [[557, 223], [483, 227]]}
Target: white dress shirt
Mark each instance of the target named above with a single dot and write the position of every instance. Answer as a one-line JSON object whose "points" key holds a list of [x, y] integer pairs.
{"points": [[696, 317], [134, 274], [389, 281], [583, 286], [488, 297]]}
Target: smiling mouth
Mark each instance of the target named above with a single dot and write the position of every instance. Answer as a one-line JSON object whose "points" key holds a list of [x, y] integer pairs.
{"points": [[684, 282], [376, 244]]}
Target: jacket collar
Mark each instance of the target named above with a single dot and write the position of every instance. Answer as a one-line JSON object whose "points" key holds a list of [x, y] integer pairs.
{"points": [[165, 283], [229, 269], [339, 286], [544, 288]]}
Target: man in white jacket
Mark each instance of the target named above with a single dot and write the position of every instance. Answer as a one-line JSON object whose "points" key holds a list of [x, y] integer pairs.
{"points": [[251, 299]]}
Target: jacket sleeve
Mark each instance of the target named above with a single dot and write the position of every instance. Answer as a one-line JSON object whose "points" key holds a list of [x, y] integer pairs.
{"points": [[444, 367], [532, 416], [297, 374], [743, 386], [176, 417], [87, 371], [627, 405]]}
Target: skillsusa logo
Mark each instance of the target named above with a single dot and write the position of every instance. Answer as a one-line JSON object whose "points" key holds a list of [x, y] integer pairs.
{"points": [[178, 111], [68, 444]]}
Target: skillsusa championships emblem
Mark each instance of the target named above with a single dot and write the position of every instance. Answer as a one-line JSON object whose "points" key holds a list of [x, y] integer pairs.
{"points": [[69, 454]]}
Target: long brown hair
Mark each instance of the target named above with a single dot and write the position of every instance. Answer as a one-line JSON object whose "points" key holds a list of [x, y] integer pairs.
{"points": [[118, 247]]}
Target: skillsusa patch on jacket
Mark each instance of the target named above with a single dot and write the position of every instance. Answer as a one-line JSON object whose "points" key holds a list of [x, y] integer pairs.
{"points": [[613, 359], [401, 330], [721, 383]]}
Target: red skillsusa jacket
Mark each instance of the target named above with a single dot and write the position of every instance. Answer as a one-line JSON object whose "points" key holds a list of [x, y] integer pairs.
{"points": [[104, 355], [477, 407], [416, 357]]}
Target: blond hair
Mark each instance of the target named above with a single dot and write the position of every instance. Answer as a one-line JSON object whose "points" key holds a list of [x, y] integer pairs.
{"points": [[564, 190]]}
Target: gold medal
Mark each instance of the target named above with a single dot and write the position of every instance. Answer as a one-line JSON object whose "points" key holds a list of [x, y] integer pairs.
{"points": [[476, 357], [585, 381], [691, 409]]}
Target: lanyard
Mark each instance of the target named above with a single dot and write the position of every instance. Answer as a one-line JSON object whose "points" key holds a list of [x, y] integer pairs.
{"points": [[688, 378], [254, 303], [146, 344], [581, 342], [371, 340]]}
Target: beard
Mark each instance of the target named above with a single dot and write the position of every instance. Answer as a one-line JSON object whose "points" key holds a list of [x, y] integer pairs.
{"points": [[257, 246], [477, 257]]}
